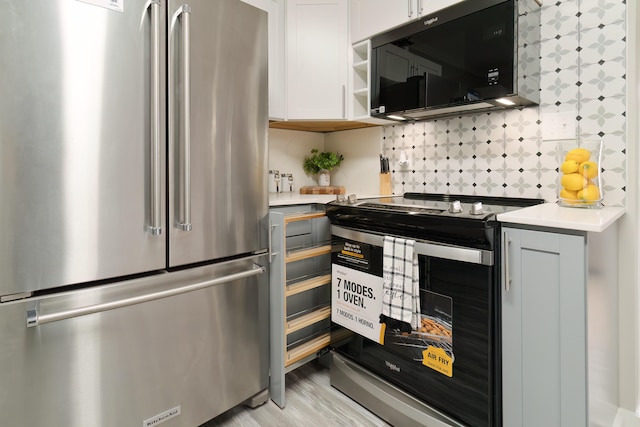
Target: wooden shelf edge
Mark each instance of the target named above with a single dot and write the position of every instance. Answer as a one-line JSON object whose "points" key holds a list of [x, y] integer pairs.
{"points": [[308, 284], [307, 319], [303, 216], [340, 334], [308, 253], [307, 349], [315, 345]]}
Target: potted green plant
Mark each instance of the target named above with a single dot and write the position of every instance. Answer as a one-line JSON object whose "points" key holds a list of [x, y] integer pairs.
{"points": [[321, 163]]}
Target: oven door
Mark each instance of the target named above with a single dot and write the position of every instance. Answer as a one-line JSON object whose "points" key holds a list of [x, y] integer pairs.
{"points": [[452, 362]]}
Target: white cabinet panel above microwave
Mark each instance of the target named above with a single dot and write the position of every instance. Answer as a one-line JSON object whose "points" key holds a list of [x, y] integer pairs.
{"points": [[371, 17]]}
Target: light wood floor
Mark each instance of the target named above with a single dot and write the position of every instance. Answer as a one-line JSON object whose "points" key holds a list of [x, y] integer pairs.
{"points": [[310, 402]]}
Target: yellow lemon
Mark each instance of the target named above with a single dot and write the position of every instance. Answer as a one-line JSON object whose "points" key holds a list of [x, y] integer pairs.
{"points": [[569, 166], [589, 194], [588, 169], [573, 181], [568, 194], [580, 155]]}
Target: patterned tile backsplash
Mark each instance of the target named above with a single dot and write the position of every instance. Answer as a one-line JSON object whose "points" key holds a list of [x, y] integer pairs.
{"points": [[510, 153]]}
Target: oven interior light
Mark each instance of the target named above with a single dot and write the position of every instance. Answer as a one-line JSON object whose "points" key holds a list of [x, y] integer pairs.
{"points": [[391, 116], [505, 101]]}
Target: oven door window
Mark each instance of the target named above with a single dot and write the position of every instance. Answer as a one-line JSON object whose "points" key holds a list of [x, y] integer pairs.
{"points": [[451, 362]]}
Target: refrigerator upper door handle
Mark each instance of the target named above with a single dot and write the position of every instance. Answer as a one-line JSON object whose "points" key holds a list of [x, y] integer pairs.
{"points": [[184, 219], [155, 209], [36, 319]]}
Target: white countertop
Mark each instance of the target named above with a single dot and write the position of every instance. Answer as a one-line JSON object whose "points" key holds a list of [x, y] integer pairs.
{"points": [[555, 216]]}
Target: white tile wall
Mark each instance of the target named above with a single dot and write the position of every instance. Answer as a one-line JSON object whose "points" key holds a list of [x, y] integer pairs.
{"points": [[507, 153]]}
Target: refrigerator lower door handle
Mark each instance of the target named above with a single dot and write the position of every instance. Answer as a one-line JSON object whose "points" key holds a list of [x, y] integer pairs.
{"points": [[35, 319]]}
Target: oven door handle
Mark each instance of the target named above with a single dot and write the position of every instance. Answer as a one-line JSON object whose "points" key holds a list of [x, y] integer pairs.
{"points": [[422, 247]]}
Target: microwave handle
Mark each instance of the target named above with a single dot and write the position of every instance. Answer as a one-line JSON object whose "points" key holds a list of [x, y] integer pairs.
{"points": [[409, 8]]}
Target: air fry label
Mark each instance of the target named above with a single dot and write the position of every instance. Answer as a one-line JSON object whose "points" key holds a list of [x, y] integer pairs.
{"points": [[437, 359]]}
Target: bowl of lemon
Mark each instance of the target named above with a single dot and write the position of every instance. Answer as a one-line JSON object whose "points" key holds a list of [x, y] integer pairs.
{"points": [[580, 185]]}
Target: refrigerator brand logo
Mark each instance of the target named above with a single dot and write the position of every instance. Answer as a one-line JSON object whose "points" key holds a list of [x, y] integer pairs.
{"points": [[431, 21], [392, 366], [117, 5], [160, 418]]}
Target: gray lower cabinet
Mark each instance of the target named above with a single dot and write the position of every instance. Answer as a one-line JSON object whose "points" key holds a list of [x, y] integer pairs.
{"points": [[544, 329]]}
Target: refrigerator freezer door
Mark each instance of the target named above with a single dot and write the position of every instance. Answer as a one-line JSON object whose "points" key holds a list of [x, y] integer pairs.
{"points": [[75, 143], [217, 90], [184, 359]]}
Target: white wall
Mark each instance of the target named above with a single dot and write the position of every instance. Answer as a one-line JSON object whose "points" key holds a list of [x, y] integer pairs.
{"points": [[287, 149], [359, 172]]}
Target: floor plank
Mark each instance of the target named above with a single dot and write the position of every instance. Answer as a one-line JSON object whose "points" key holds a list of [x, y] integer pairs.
{"points": [[310, 402]]}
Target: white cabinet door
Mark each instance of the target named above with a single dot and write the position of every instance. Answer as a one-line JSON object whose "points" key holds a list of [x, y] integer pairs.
{"points": [[371, 17], [430, 6], [317, 56], [275, 8]]}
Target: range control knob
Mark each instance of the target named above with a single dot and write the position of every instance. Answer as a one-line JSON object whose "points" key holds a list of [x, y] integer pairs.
{"points": [[455, 207], [477, 209]]}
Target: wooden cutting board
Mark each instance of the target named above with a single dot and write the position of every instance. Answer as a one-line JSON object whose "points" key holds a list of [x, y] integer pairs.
{"points": [[326, 189]]}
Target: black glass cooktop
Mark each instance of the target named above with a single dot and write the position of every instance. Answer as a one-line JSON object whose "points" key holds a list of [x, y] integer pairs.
{"points": [[448, 218]]}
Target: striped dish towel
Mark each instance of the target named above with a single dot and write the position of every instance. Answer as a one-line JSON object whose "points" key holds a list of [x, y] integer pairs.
{"points": [[400, 281]]}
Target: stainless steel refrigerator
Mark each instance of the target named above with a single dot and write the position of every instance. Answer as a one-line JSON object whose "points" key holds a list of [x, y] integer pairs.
{"points": [[133, 211]]}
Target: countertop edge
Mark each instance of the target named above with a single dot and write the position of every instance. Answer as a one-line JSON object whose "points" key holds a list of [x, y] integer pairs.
{"points": [[554, 216], [284, 199]]}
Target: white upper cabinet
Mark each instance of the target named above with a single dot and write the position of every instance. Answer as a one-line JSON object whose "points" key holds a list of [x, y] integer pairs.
{"points": [[317, 59], [371, 17], [275, 9]]}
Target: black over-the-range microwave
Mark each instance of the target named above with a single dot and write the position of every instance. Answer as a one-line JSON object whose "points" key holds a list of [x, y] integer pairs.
{"points": [[476, 55]]}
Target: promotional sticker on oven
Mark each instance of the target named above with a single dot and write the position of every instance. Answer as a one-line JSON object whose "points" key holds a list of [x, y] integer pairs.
{"points": [[358, 295], [356, 298]]}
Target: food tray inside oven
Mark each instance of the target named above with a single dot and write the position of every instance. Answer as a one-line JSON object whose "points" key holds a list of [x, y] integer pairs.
{"points": [[434, 332]]}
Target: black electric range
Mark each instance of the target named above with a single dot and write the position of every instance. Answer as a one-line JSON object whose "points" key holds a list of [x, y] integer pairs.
{"points": [[446, 218], [457, 241]]}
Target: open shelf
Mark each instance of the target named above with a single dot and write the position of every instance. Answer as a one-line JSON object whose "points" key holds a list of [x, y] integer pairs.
{"points": [[300, 291], [307, 284], [302, 216], [306, 253], [307, 319], [315, 345]]}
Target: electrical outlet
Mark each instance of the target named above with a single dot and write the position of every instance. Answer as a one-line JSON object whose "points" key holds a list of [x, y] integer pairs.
{"points": [[560, 125]]}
